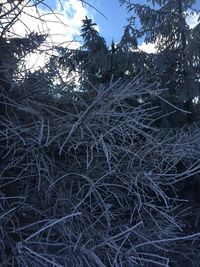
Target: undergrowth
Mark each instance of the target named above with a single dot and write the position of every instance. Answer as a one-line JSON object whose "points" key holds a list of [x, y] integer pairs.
{"points": [[88, 179]]}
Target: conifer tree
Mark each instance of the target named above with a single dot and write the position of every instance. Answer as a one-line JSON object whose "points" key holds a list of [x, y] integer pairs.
{"points": [[175, 66], [98, 63]]}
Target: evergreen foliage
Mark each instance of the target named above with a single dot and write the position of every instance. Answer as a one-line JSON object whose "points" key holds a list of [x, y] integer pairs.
{"points": [[175, 65], [98, 63]]}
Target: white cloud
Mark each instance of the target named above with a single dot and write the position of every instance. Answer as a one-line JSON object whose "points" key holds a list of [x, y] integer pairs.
{"points": [[148, 48], [192, 20], [62, 26]]}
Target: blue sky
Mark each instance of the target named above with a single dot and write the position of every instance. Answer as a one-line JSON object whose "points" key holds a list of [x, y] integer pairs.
{"points": [[117, 17], [63, 27], [112, 27]]}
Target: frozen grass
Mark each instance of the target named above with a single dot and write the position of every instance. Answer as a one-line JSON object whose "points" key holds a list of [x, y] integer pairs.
{"points": [[93, 183], [87, 179]]}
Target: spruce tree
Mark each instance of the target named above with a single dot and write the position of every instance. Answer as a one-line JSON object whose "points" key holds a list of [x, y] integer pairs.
{"points": [[96, 62], [175, 66]]}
